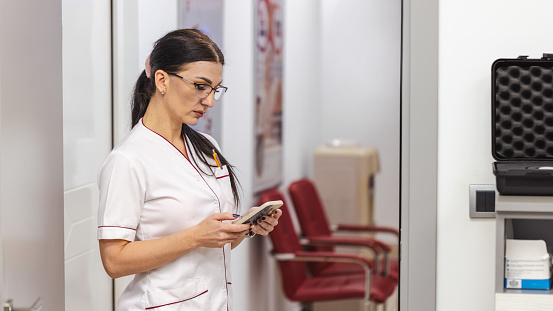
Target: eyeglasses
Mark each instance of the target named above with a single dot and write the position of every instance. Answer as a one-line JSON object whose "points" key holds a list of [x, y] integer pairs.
{"points": [[203, 90]]}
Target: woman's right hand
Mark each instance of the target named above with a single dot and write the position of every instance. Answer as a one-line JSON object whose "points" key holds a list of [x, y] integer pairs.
{"points": [[213, 232]]}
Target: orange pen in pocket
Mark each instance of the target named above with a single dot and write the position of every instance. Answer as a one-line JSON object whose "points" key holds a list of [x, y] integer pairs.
{"points": [[215, 157]]}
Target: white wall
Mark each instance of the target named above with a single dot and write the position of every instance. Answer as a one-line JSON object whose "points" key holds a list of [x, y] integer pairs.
{"points": [[126, 67], [302, 88], [472, 35], [137, 25], [360, 87], [238, 148], [155, 19]]}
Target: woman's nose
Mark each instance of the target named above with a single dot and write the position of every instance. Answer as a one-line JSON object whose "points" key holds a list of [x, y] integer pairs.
{"points": [[209, 101]]}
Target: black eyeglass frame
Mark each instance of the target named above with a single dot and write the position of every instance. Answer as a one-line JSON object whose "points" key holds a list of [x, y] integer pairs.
{"points": [[197, 86]]}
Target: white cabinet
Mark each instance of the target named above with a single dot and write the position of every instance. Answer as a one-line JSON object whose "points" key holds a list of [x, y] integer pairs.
{"points": [[526, 218]]}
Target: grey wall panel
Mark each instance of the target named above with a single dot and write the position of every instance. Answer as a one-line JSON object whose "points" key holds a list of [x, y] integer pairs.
{"points": [[31, 154]]}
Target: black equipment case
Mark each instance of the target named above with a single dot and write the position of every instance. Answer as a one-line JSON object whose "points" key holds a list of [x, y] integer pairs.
{"points": [[522, 125]]}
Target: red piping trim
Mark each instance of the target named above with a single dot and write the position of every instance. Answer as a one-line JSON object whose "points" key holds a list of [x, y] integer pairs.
{"points": [[117, 227], [172, 303], [168, 140], [222, 176]]}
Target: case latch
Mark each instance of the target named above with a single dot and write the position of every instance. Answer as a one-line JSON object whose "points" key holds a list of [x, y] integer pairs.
{"points": [[523, 57], [547, 56]]}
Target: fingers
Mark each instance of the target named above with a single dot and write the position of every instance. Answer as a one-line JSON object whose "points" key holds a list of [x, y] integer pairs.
{"points": [[216, 230], [234, 230], [222, 216], [262, 228], [227, 233], [228, 227], [267, 223], [277, 213]]}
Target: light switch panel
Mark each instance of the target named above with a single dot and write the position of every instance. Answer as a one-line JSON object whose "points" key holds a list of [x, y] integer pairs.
{"points": [[482, 201]]}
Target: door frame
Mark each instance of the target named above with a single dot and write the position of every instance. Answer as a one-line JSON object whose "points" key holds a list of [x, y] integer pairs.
{"points": [[419, 155]]}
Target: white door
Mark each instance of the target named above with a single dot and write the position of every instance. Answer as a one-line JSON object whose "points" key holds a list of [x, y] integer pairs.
{"points": [[87, 141], [31, 154]]}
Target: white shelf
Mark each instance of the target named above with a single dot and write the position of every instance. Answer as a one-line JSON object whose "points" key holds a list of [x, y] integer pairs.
{"points": [[535, 204], [524, 300]]}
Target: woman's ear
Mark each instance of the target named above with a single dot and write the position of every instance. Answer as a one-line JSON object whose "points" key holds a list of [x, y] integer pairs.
{"points": [[162, 81]]}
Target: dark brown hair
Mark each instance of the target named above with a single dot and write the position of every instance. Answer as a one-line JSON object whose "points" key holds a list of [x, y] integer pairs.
{"points": [[172, 53]]}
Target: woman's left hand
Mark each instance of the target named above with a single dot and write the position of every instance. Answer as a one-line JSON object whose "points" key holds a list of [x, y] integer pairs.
{"points": [[267, 223]]}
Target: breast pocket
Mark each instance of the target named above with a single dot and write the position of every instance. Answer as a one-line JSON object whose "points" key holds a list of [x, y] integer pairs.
{"points": [[191, 297], [223, 178]]}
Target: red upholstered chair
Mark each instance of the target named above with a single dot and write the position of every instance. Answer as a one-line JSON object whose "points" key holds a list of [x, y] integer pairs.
{"points": [[316, 228], [299, 286]]}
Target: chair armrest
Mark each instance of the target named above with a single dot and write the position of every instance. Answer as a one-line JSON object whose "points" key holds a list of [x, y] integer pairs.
{"points": [[324, 257], [365, 228], [375, 245], [370, 228]]}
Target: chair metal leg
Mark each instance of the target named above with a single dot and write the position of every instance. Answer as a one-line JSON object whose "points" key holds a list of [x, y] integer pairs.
{"points": [[373, 306], [369, 306], [307, 306]]}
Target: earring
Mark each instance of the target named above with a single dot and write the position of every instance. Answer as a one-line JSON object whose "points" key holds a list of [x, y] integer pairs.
{"points": [[162, 92]]}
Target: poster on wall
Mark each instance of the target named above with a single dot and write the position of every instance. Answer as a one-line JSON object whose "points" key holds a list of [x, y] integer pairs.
{"points": [[268, 93], [206, 16]]}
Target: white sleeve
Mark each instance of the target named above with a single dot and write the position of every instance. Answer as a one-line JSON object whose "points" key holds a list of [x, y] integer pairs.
{"points": [[122, 192]]}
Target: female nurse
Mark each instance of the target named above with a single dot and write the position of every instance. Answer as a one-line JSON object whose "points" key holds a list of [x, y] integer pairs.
{"points": [[167, 193]]}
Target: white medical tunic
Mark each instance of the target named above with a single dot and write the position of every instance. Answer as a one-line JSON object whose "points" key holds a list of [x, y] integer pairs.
{"points": [[148, 190]]}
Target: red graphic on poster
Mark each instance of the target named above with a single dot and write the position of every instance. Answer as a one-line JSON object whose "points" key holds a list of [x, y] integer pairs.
{"points": [[269, 25]]}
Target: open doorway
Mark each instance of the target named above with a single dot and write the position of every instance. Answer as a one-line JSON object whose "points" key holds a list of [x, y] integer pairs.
{"points": [[360, 101]]}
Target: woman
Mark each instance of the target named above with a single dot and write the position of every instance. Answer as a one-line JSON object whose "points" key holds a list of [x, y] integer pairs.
{"points": [[167, 194]]}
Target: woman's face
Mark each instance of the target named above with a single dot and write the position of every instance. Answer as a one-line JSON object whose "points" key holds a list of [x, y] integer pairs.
{"points": [[181, 97]]}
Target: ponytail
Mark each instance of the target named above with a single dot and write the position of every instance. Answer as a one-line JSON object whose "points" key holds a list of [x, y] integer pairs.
{"points": [[143, 91]]}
